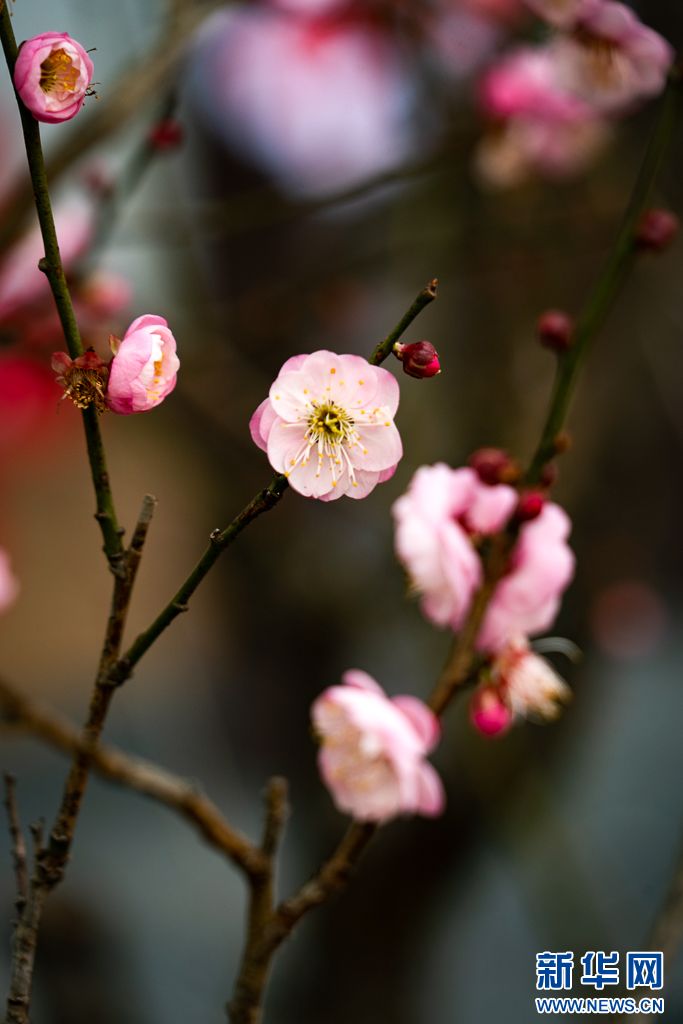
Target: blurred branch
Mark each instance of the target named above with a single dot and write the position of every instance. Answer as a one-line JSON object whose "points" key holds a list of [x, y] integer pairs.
{"points": [[20, 713], [18, 842], [262, 502], [609, 283], [126, 96]]}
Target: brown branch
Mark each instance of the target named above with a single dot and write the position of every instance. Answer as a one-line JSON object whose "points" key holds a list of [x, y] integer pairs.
{"points": [[23, 714], [17, 840]]}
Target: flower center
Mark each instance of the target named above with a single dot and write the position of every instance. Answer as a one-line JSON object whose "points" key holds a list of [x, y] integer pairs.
{"points": [[58, 72], [329, 422], [85, 387], [601, 54]]}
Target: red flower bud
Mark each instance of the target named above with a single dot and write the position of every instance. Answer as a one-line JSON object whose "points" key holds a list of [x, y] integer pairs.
{"points": [[489, 714], [530, 506], [493, 466], [555, 330], [166, 134], [657, 230], [549, 474], [420, 359]]}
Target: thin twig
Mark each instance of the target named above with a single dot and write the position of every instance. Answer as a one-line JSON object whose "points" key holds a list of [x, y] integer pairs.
{"points": [[23, 714], [17, 840]]}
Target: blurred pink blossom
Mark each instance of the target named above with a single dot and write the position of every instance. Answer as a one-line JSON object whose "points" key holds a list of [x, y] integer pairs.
{"points": [[537, 125], [328, 425], [52, 76], [527, 599], [629, 619], [144, 368], [9, 585], [372, 757], [319, 104], [435, 520], [611, 59], [21, 282], [438, 523]]}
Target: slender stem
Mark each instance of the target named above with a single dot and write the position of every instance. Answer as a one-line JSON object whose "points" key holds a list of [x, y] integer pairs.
{"points": [[17, 841], [608, 285], [51, 265]]}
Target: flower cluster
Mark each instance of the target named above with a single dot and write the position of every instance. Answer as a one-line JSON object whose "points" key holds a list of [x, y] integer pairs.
{"points": [[373, 749], [549, 107]]}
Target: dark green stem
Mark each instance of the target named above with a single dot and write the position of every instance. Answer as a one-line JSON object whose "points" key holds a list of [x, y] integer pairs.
{"points": [[608, 286], [51, 265]]}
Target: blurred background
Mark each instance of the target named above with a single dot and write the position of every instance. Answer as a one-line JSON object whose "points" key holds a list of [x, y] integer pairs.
{"points": [[276, 177]]}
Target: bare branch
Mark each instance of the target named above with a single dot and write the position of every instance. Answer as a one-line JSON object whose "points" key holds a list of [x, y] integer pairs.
{"points": [[17, 840]]}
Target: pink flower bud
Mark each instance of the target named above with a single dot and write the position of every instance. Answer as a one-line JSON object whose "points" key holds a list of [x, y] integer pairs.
{"points": [[9, 585], [657, 230], [52, 76], [493, 466], [83, 379], [530, 506], [166, 134], [555, 330], [144, 368], [489, 713], [420, 359]]}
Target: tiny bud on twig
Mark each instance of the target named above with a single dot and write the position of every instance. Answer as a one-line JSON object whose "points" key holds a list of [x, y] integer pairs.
{"points": [[166, 135], [657, 230], [420, 359], [530, 506], [494, 466], [562, 442], [555, 330]]}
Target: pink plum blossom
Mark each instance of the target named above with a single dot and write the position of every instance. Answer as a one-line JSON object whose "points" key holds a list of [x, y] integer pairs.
{"points": [[611, 59], [435, 522], [328, 425], [438, 523], [527, 599], [52, 76], [372, 757], [318, 104], [144, 368], [9, 586]]}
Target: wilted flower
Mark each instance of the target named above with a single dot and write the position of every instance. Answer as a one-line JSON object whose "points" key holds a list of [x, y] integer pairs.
{"points": [[52, 76], [560, 13], [372, 757], [83, 379], [528, 683], [144, 368], [328, 425]]}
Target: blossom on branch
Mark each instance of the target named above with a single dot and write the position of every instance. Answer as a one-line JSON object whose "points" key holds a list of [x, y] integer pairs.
{"points": [[328, 425], [144, 368], [52, 76], [519, 684], [372, 757], [441, 522]]}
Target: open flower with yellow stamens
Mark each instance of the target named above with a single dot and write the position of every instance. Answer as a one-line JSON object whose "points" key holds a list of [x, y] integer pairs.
{"points": [[52, 76], [328, 425]]}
